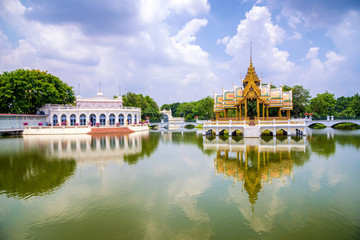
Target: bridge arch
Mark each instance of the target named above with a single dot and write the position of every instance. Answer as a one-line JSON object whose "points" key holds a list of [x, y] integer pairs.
{"points": [[267, 131], [189, 126], [210, 132], [237, 131], [282, 131], [165, 117], [346, 121], [223, 131], [313, 124]]}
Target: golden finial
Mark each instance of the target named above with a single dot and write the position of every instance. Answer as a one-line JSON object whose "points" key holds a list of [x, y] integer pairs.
{"points": [[250, 52]]}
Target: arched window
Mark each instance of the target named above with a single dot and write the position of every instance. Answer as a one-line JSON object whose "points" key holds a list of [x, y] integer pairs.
{"points": [[55, 120], [135, 119], [72, 120], [102, 119], [121, 119], [82, 119], [129, 119], [42, 113], [92, 119], [63, 118], [112, 119]]}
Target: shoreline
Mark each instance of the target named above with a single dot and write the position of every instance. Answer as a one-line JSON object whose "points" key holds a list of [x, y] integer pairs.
{"points": [[74, 130]]}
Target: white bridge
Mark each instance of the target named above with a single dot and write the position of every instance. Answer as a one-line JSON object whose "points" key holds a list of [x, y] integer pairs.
{"points": [[331, 122]]}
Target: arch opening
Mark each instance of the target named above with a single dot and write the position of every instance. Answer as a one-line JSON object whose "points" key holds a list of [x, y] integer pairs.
{"points": [[121, 119], [267, 132], [82, 119], [55, 120], [92, 119], [112, 119], [72, 119], [129, 119]]}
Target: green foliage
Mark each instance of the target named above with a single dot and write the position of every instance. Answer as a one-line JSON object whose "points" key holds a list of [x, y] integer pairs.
{"points": [[149, 107], [355, 104], [25, 91], [301, 97], [202, 108], [323, 104]]}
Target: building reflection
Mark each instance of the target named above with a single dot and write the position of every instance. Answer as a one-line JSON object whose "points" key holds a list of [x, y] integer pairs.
{"points": [[257, 161], [89, 149]]}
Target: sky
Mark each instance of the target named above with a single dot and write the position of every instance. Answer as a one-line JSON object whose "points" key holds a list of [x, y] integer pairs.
{"points": [[184, 50]]}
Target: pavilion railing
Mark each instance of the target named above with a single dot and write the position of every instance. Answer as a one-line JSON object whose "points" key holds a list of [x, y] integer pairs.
{"points": [[255, 122]]}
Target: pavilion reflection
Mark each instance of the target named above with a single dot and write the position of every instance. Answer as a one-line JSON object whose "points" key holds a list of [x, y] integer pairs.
{"points": [[257, 161]]}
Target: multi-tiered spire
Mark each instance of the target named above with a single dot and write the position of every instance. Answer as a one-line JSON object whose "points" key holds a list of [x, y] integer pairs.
{"points": [[251, 74]]}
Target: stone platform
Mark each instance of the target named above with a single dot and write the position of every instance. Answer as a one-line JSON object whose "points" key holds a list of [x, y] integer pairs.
{"points": [[252, 131]]}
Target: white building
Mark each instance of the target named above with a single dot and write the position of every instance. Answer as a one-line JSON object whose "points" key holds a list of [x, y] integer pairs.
{"points": [[98, 109]]}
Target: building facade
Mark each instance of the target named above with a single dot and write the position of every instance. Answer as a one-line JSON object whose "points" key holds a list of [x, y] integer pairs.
{"points": [[91, 111]]}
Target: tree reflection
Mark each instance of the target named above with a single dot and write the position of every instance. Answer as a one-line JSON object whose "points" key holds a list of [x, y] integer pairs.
{"points": [[148, 146], [348, 140], [32, 174], [187, 138], [322, 144]]}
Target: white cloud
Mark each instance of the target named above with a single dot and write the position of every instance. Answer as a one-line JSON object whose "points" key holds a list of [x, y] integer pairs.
{"points": [[259, 28], [148, 61], [296, 36], [322, 73], [187, 34], [224, 40], [190, 6], [313, 53]]}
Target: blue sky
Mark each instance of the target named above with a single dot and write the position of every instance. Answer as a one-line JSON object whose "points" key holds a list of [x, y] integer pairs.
{"points": [[182, 50]]}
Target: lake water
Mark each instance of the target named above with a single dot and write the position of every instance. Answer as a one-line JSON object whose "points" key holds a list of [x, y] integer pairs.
{"points": [[180, 185]]}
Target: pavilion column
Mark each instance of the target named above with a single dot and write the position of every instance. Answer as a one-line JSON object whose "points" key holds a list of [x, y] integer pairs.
{"points": [[288, 114], [263, 112], [240, 110], [237, 112], [245, 108], [226, 113], [257, 109], [267, 111], [217, 115], [279, 112]]}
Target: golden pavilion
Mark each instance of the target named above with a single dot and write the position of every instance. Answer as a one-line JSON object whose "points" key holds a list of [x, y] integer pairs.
{"points": [[251, 90]]}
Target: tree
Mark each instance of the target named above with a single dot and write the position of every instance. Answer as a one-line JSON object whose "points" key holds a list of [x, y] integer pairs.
{"points": [[149, 107], [165, 106], [202, 108], [25, 91], [301, 97], [323, 104], [342, 103], [355, 104]]}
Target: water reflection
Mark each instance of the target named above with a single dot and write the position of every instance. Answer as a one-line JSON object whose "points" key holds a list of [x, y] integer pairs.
{"points": [[40, 164], [323, 141], [257, 161], [94, 149], [32, 173]]}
